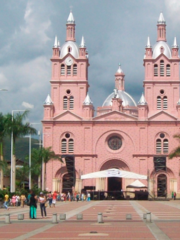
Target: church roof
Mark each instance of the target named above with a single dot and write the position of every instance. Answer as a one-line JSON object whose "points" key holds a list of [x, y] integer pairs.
{"points": [[124, 96], [82, 45], [161, 19], [157, 49], [74, 49]]}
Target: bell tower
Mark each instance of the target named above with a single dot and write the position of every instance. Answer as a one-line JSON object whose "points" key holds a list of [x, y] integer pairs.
{"points": [[161, 84], [69, 80]]}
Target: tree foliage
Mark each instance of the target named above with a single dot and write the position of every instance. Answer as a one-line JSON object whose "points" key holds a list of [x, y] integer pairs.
{"points": [[176, 151]]}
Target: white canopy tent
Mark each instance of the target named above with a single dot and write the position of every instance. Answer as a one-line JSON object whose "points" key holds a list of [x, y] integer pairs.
{"points": [[136, 184], [113, 173]]}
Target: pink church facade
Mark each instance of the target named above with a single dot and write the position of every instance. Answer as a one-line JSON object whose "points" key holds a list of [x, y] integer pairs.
{"points": [[123, 134]]}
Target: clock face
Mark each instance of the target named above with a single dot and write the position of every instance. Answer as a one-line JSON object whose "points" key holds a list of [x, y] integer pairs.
{"points": [[115, 143], [69, 61]]}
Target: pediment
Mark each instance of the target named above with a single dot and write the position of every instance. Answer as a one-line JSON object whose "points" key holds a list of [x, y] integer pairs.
{"points": [[115, 116], [67, 116], [162, 116]]}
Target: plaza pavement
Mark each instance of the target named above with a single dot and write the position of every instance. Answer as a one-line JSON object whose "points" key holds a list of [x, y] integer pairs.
{"points": [[165, 222]]}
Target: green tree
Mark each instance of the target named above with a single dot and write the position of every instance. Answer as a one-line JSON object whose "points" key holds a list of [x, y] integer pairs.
{"points": [[176, 151], [15, 124], [39, 157], [3, 164]]}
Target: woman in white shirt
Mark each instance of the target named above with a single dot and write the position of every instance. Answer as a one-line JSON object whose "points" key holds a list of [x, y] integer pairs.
{"points": [[42, 201]]}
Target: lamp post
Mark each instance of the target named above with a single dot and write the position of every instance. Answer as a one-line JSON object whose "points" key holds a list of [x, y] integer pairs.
{"points": [[30, 155], [12, 189]]}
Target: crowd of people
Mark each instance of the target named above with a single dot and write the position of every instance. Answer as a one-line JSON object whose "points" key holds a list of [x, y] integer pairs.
{"points": [[44, 200]]}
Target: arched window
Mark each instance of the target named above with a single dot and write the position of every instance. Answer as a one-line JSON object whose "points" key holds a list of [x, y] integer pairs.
{"points": [[71, 103], [68, 70], [74, 69], [63, 145], [165, 146], [155, 70], [168, 70], [158, 146], [165, 103], [158, 102], [162, 68], [65, 100], [71, 146], [62, 69]]}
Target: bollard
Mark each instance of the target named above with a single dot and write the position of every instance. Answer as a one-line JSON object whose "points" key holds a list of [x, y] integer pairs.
{"points": [[128, 216], [148, 217], [144, 215], [7, 218], [20, 216], [54, 218], [100, 218], [62, 216], [79, 216]]}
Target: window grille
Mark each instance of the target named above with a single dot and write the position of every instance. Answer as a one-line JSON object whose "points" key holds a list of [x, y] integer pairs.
{"points": [[74, 69], [165, 146], [165, 103], [68, 70], [158, 102], [158, 146], [71, 146], [65, 101], [162, 68], [62, 69], [168, 70], [155, 70], [71, 103], [63, 145]]}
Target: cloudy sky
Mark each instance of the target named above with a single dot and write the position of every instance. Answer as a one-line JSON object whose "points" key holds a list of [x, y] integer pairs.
{"points": [[114, 30]]}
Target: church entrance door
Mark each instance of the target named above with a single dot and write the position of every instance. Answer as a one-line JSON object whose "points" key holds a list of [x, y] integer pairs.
{"points": [[114, 184], [162, 185]]}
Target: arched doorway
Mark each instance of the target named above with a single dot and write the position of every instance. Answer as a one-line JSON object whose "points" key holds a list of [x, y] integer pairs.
{"points": [[114, 184], [161, 185], [67, 183]]}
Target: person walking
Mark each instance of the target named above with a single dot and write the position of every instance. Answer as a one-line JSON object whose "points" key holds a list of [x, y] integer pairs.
{"points": [[33, 206], [49, 197], [23, 199], [6, 199], [54, 198], [42, 201], [174, 195], [13, 200]]}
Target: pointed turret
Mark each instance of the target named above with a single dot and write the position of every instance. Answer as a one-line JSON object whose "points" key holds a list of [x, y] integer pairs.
{"points": [[55, 42], [161, 28], [142, 100], [48, 108], [70, 28], [175, 49], [161, 19], [71, 19], [82, 45], [88, 109], [82, 48], [148, 43], [175, 43], [119, 79], [142, 108], [87, 100], [56, 51], [148, 53], [48, 100]]}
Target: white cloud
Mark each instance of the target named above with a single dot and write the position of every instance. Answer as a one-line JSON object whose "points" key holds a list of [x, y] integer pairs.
{"points": [[27, 105]]}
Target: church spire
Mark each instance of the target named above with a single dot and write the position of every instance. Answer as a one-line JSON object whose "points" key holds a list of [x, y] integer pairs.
{"points": [[70, 28], [161, 28], [119, 79]]}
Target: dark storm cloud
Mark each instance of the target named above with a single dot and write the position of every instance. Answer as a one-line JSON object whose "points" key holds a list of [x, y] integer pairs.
{"points": [[115, 31]]}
